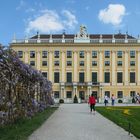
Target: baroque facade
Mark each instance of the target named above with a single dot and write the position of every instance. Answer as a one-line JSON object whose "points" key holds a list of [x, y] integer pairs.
{"points": [[83, 63]]}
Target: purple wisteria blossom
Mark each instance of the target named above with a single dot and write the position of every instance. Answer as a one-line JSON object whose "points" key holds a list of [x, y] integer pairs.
{"points": [[23, 90]]}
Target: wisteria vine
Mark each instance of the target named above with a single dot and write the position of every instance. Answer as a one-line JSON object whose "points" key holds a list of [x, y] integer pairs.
{"points": [[23, 90]]}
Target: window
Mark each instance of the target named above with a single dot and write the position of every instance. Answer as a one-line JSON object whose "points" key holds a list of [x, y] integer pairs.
{"points": [[69, 63], [94, 77], [94, 54], [81, 77], [32, 54], [132, 63], [44, 54], [107, 63], [56, 77], [56, 54], [44, 74], [132, 54], [132, 77], [107, 77], [56, 94], [44, 63], [81, 54], [119, 77], [69, 94], [132, 93], [56, 63], [119, 54], [32, 63], [69, 54], [20, 54], [69, 77], [107, 93], [94, 63], [107, 54], [95, 94], [119, 63], [81, 63], [120, 94]]}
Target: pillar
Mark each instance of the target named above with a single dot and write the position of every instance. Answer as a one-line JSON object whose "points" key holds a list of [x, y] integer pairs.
{"points": [[101, 66], [63, 67], [38, 60], [126, 68], [75, 65], [88, 73], [138, 72], [50, 74], [26, 57], [113, 68], [62, 92]]}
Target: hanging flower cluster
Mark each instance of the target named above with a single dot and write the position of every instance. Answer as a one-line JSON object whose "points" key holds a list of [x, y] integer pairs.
{"points": [[23, 90]]}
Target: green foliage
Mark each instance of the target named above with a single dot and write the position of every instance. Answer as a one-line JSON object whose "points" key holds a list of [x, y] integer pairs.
{"points": [[118, 116], [61, 101], [120, 101], [133, 100], [24, 127], [75, 99]]}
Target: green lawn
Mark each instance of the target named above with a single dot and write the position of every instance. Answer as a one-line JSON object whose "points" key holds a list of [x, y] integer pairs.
{"points": [[122, 116], [24, 127]]}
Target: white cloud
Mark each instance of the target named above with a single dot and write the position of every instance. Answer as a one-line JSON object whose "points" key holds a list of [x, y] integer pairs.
{"points": [[30, 10], [49, 21], [21, 4], [71, 20], [113, 14]]}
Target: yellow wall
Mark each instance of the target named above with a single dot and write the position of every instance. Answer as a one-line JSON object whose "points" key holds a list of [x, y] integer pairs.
{"points": [[113, 87]]}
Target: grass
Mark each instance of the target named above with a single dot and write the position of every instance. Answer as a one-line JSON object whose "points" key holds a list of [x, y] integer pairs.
{"points": [[122, 116], [21, 129]]}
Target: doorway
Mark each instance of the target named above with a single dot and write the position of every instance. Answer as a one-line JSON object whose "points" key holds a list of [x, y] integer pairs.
{"points": [[82, 95], [95, 94]]}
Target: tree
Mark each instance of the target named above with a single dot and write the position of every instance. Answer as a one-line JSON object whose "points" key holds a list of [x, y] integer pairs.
{"points": [[75, 99]]}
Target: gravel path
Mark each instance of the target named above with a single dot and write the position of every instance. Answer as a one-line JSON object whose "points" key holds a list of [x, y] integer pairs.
{"points": [[74, 122]]}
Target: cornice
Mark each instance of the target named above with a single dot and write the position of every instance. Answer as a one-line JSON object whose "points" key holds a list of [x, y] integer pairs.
{"points": [[74, 45]]}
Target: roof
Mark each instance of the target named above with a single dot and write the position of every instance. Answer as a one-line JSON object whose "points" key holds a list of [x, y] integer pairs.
{"points": [[92, 36]]}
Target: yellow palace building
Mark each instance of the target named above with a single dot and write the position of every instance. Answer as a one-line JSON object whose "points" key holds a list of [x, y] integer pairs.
{"points": [[81, 64]]}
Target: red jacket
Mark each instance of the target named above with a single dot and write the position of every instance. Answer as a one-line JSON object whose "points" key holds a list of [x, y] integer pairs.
{"points": [[92, 100]]}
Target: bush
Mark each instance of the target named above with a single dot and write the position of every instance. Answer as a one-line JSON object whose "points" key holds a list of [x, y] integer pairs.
{"points": [[133, 100], [61, 101], [75, 99], [120, 101]]}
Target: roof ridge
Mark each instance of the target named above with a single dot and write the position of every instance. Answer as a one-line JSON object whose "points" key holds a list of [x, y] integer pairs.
{"points": [[96, 36]]}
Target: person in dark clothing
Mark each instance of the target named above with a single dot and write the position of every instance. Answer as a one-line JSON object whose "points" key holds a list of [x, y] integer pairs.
{"points": [[112, 99], [92, 103], [106, 100]]}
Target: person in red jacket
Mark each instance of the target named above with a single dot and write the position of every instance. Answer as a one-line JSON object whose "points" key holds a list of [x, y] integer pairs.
{"points": [[92, 102]]}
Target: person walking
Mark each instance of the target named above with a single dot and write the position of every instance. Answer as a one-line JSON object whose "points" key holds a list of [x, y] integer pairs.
{"points": [[138, 98], [112, 99], [92, 102], [89, 100], [106, 100]]}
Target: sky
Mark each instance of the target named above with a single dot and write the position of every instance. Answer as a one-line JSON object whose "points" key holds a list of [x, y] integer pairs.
{"points": [[24, 18]]}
